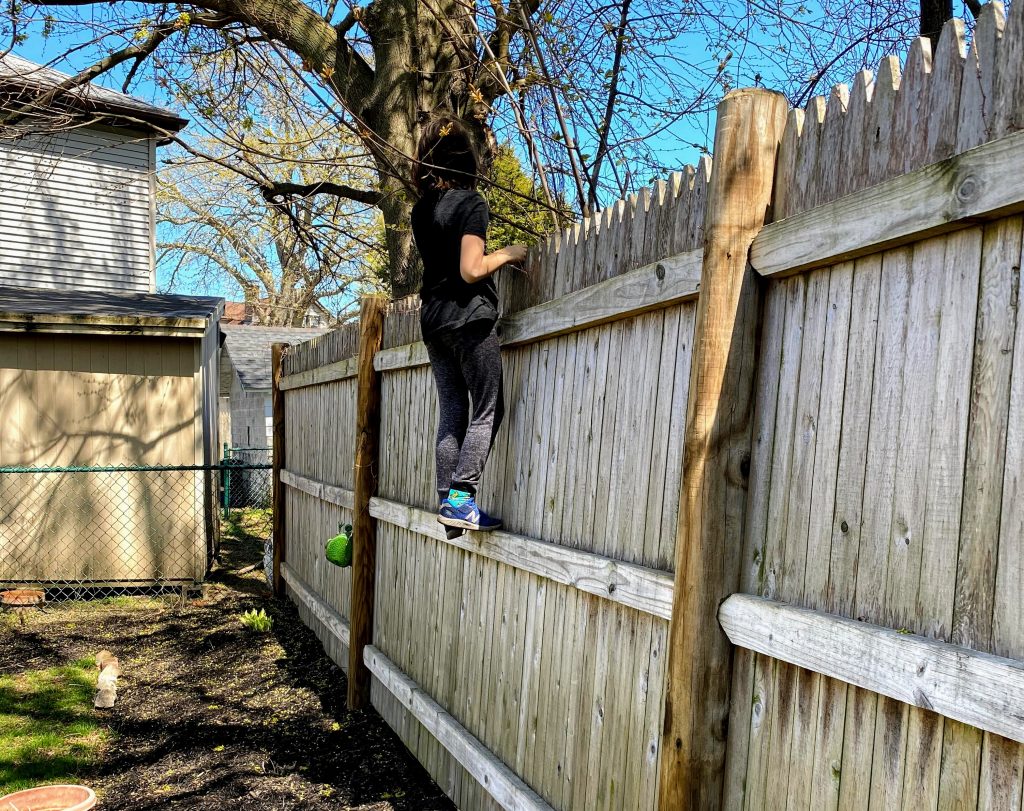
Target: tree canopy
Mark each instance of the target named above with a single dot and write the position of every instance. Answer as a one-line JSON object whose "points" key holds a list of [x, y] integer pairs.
{"points": [[598, 97], [216, 225]]}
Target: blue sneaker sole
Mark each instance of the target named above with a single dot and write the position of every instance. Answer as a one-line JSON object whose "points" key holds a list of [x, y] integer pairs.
{"points": [[458, 523]]}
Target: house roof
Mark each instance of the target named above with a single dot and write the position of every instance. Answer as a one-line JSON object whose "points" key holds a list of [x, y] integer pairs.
{"points": [[249, 350], [20, 77], [235, 312], [25, 309]]}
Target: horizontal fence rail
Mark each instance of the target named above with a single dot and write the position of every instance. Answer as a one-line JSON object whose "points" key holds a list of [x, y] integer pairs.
{"points": [[338, 496], [639, 587], [342, 370], [331, 619], [942, 197], [979, 689], [501, 783], [672, 280]]}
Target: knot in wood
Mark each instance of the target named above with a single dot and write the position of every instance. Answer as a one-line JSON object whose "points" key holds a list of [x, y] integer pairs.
{"points": [[967, 190], [659, 271]]}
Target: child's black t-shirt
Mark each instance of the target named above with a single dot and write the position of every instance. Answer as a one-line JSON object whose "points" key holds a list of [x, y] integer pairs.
{"points": [[439, 221]]}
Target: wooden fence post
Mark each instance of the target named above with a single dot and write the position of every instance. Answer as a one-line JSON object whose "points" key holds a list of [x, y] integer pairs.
{"points": [[364, 527], [278, 521], [717, 451]]}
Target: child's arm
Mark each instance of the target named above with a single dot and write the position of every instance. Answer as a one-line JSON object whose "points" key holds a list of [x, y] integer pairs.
{"points": [[475, 265]]}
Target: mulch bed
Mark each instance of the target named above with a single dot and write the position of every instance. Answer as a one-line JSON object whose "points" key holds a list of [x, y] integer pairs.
{"points": [[210, 715]]}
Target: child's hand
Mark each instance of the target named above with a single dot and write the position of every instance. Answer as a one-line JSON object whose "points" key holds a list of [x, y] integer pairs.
{"points": [[516, 254]]}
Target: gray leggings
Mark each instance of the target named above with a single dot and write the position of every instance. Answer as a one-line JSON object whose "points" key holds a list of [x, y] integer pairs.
{"points": [[467, 365]]}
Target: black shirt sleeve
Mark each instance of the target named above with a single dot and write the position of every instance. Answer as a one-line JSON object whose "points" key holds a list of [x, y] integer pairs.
{"points": [[476, 216]]}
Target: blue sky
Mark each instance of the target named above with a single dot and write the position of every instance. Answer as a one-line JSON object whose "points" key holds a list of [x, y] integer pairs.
{"points": [[680, 144], [38, 49]]}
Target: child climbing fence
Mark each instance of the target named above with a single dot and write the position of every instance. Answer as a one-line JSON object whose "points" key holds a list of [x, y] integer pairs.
{"points": [[495, 629]]}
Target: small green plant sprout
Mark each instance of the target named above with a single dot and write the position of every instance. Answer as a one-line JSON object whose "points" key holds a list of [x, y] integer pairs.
{"points": [[257, 621]]}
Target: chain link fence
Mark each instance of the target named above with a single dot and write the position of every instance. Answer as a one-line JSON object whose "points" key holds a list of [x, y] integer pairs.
{"points": [[88, 532], [249, 456], [246, 493]]}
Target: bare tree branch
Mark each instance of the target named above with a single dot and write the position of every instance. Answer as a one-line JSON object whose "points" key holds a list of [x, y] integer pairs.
{"points": [[272, 191], [606, 122], [570, 144], [48, 98]]}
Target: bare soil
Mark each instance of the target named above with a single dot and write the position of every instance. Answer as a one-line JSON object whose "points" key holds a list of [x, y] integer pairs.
{"points": [[211, 715]]}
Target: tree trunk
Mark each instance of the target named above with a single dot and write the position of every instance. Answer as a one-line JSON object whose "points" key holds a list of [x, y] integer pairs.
{"points": [[423, 53], [934, 14], [405, 271], [425, 60]]}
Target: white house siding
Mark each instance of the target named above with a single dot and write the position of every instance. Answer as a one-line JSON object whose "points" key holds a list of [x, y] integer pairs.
{"points": [[75, 212], [224, 421], [248, 417]]}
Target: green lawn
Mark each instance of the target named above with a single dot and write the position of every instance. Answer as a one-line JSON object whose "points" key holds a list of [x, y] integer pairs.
{"points": [[248, 523], [49, 731]]}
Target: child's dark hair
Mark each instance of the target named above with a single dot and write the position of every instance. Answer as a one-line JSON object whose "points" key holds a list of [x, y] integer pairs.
{"points": [[445, 157]]}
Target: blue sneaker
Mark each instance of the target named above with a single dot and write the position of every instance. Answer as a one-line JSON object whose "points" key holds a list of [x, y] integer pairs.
{"points": [[451, 533], [459, 511]]}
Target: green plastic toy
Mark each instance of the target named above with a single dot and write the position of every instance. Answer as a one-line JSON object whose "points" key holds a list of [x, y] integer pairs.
{"points": [[339, 548]]}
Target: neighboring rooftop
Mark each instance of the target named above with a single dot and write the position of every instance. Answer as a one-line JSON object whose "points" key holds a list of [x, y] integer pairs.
{"points": [[20, 79], [31, 308], [236, 312], [249, 350], [247, 312]]}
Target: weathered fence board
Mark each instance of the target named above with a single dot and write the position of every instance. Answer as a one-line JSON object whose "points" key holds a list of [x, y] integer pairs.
{"points": [[342, 370], [979, 689], [647, 590], [508, 790], [660, 284], [338, 496], [940, 197], [904, 423], [327, 615]]}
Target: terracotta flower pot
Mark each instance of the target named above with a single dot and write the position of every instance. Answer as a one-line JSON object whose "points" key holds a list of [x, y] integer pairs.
{"points": [[22, 597], [49, 798]]}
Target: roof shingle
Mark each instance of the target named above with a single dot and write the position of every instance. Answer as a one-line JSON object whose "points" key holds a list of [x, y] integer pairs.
{"points": [[18, 75], [249, 350], [42, 301]]}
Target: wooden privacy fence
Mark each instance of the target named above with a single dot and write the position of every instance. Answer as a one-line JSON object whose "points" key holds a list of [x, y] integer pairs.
{"points": [[761, 484]]}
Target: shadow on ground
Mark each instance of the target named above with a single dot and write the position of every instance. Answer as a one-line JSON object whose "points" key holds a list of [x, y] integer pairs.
{"points": [[213, 716]]}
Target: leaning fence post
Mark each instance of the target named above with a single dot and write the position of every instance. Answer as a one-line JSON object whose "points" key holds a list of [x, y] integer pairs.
{"points": [[277, 405], [364, 528], [717, 451]]}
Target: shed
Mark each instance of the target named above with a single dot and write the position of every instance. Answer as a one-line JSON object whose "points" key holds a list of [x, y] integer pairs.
{"points": [[108, 391], [90, 382], [245, 381]]}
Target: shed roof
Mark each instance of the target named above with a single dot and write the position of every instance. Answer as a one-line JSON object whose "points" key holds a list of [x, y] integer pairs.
{"points": [[249, 350], [24, 309], [19, 76]]}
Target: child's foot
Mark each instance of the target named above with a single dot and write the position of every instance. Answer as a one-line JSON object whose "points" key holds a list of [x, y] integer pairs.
{"points": [[451, 533], [459, 511]]}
